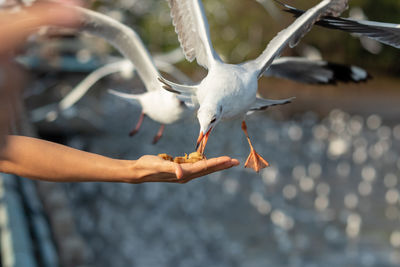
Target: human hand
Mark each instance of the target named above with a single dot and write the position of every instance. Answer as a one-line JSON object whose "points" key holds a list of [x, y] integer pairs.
{"points": [[154, 169]]}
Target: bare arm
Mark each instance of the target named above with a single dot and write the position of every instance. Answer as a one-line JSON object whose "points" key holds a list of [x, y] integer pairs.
{"points": [[42, 160]]}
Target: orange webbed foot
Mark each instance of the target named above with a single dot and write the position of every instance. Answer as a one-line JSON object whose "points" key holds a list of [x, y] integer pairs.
{"points": [[255, 161]]}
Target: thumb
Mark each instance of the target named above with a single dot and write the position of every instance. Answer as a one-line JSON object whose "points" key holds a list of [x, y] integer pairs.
{"points": [[178, 171]]}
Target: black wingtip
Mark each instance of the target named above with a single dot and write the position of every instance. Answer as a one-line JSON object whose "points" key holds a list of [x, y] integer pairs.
{"points": [[162, 80], [169, 89], [345, 74], [296, 12]]}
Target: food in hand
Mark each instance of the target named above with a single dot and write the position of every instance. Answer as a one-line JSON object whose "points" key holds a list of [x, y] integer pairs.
{"points": [[195, 157], [165, 156], [180, 159], [192, 158]]}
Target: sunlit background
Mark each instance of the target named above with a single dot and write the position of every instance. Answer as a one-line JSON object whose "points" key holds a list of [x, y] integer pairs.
{"points": [[331, 196]]}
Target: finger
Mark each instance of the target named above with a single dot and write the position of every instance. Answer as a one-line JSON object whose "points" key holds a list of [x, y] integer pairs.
{"points": [[206, 164], [201, 168], [205, 167], [216, 168], [217, 163], [235, 162], [173, 169], [178, 171]]}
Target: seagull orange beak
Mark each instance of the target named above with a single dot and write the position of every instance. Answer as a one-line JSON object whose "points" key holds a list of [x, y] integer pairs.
{"points": [[202, 141]]}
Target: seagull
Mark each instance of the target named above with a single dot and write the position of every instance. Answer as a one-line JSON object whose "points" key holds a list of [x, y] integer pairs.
{"points": [[229, 91], [126, 68], [158, 104], [386, 33], [164, 62]]}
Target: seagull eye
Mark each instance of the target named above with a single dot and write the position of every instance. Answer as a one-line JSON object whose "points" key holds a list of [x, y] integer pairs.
{"points": [[213, 120]]}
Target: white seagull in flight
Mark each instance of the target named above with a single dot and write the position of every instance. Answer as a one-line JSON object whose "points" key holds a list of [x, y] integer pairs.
{"points": [[229, 91], [164, 62]]}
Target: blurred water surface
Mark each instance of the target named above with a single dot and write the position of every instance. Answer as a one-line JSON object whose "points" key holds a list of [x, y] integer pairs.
{"points": [[330, 197]]}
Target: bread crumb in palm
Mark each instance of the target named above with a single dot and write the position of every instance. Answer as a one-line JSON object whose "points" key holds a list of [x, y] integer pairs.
{"points": [[192, 158]]}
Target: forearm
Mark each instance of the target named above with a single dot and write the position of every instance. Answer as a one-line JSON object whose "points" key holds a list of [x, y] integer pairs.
{"points": [[38, 159]]}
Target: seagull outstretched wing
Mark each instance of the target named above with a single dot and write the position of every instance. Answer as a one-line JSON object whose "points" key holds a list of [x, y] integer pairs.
{"points": [[125, 40], [315, 71], [81, 89], [292, 34], [192, 28], [386, 33], [263, 104]]}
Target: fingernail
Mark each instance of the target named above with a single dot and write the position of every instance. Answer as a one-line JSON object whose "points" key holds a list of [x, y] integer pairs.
{"points": [[230, 164]]}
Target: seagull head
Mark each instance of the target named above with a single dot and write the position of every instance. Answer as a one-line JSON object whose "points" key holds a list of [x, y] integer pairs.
{"points": [[208, 117]]}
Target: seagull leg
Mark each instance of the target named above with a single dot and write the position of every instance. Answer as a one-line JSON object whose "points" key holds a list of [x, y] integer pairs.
{"points": [[159, 134], [137, 127], [254, 160]]}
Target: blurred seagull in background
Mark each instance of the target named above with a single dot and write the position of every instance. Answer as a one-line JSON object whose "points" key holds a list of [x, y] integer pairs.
{"points": [[164, 62], [386, 33], [158, 104], [229, 91]]}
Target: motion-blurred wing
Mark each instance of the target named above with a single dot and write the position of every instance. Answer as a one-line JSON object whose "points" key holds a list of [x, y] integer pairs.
{"points": [[125, 40], [81, 89], [315, 71], [386, 33], [262, 104]]}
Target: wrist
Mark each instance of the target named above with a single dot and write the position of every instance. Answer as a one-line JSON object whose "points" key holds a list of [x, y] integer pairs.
{"points": [[123, 172]]}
